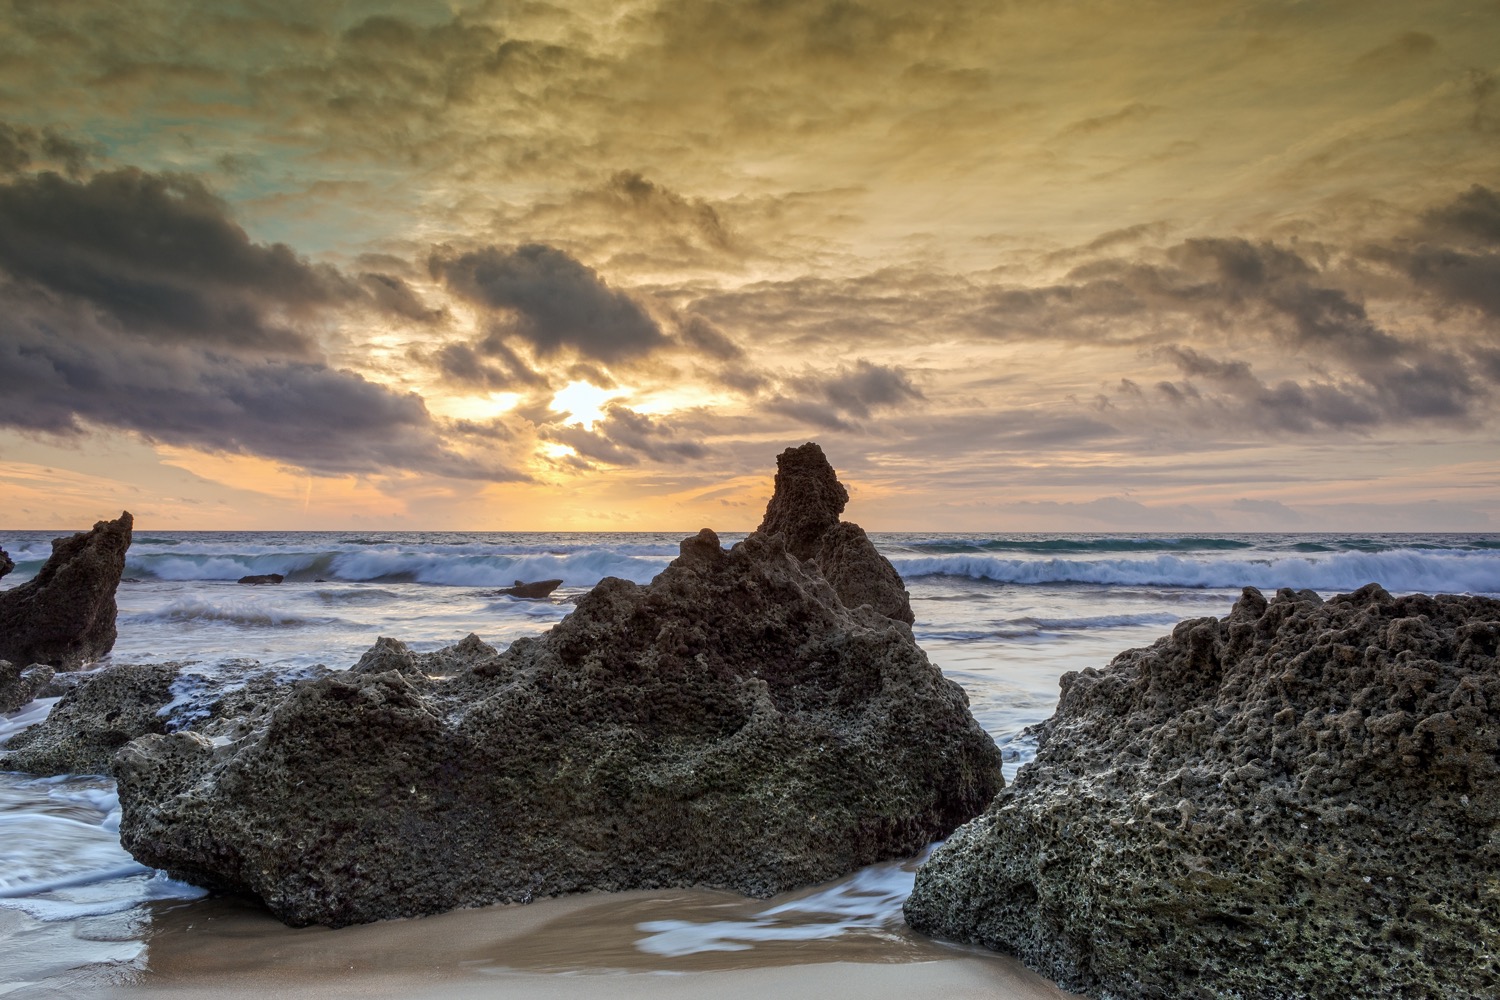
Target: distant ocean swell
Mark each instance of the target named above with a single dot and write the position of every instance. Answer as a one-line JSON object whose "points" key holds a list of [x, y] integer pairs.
{"points": [[420, 565], [1432, 571]]}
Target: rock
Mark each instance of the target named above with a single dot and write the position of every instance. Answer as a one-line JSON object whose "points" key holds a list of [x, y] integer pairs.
{"points": [[804, 512], [18, 686], [532, 591], [103, 710], [6, 563], [1301, 800], [262, 578], [65, 615], [733, 724], [96, 718]]}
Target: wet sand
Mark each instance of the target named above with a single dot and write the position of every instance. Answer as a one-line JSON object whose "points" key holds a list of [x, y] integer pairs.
{"points": [[581, 946]]}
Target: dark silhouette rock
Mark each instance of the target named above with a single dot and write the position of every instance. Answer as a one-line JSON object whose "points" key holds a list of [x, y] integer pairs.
{"points": [[732, 724], [65, 615], [262, 578], [804, 513], [6, 563], [18, 686], [532, 591], [1301, 800], [93, 720]]}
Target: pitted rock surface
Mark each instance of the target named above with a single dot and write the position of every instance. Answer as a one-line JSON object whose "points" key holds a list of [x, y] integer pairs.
{"points": [[804, 513], [64, 616], [1301, 800], [19, 686], [95, 719], [733, 724]]}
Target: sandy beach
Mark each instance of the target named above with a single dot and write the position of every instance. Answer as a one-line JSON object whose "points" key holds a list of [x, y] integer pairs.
{"points": [[581, 946]]}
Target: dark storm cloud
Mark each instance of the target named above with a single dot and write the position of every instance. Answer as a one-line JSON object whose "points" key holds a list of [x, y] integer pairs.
{"points": [[160, 255], [625, 437], [1454, 254], [61, 369], [851, 393], [557, 303], [1228, 394]]}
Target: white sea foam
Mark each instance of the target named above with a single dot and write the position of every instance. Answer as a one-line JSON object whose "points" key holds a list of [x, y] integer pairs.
{"points": [[869, 902], [1399, 570]]}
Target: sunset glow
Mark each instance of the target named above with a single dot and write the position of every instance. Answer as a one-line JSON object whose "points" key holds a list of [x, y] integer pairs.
{"points": [[1068, 266]]}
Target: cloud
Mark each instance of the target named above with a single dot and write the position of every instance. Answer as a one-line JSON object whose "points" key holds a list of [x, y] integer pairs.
{"points": [[624, 437], [23, 148], [857, 391], [555, 302], [62, 370], [159, 254], [701, 335]]}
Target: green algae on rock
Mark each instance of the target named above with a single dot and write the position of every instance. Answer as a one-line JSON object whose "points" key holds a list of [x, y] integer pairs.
{"points": [[732, 724], [1301, 800]]}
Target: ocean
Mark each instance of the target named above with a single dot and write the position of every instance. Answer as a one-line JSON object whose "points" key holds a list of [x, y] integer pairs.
{"points": [[1003, 615]]}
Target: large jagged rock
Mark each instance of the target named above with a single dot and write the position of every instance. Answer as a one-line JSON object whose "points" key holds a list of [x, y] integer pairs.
{"points": [[733, 724], [1299, 801], [804, 513], [65, 615]]}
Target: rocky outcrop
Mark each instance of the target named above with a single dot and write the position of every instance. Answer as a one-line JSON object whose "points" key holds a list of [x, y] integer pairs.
{"points": [[65, 615], [733, 724], [1301, 800], [261, 578], [93, 720], [6, 563], [19, 686], [804, 513]]}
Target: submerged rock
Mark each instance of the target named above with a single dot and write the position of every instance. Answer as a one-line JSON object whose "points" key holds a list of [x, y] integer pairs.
{"points": [[65, 615], [804, 513], [261, 578], [19, 686], [733, 724], [1301, 800]]}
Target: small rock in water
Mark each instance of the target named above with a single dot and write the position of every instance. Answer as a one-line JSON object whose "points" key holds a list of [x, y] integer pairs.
{"points": [[532, 591], [65, 615], [1300, 800], [732, 724], [262, 578]]}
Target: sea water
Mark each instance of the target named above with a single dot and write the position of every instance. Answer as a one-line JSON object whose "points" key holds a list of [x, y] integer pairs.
{"points": [[1003, 615]]}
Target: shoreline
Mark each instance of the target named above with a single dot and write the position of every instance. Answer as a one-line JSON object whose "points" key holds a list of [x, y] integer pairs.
{"points": [[573, 946]]}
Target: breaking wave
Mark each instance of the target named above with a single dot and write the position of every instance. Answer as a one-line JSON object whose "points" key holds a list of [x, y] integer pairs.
{"points": [[1401, 570]]}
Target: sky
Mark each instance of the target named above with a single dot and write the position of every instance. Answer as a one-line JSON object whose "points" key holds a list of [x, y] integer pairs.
{"points": [[1017, 265]]}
